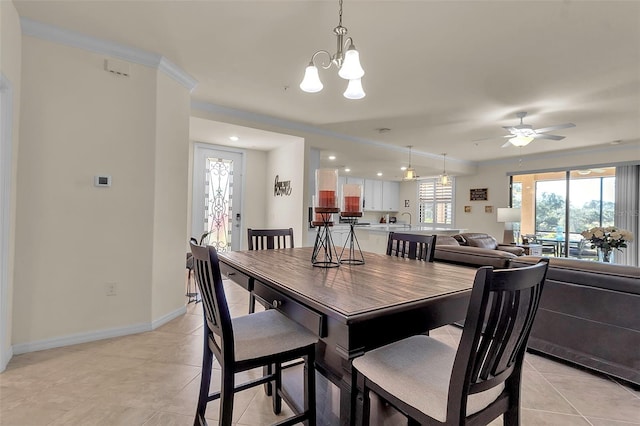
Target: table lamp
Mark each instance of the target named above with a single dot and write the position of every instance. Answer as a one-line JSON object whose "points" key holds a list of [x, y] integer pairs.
{"points": [[511, 218]]}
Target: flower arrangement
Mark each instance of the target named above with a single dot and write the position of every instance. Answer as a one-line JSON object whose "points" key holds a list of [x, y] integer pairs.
{"points": [[608, 238]]}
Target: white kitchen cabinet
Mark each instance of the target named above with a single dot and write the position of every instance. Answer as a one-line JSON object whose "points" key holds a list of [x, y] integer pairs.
{"points": [[372, 195], [355, 180], [390, 196]]}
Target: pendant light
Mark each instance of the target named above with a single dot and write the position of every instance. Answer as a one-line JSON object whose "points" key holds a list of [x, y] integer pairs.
{"points": [[444, 178], [347, 62], [409, 173]]}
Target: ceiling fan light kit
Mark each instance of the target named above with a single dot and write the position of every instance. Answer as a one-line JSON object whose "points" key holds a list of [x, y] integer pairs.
{"points": [[348, 64]]}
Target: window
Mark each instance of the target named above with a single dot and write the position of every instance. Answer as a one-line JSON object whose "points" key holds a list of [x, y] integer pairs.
{"points": [[558, 206], [435, 202]]}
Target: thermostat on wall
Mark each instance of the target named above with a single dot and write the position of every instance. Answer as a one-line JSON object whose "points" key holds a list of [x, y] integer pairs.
{"points": [[102, 180]]}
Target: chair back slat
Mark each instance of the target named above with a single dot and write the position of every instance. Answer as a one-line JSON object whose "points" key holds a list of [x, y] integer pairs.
{"points": [[499, 318], [411, 246], [217, 322], [269, 239]]}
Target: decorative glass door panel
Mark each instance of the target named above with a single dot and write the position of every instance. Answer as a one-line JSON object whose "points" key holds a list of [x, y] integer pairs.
{"points": [[216, 217], [218, 203]]}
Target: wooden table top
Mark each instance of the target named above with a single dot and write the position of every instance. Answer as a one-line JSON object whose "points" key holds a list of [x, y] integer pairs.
{"points": [[349, 291]]}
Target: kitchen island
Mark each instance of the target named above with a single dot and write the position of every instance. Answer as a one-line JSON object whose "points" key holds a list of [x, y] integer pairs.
{"points": [[373, 238]]}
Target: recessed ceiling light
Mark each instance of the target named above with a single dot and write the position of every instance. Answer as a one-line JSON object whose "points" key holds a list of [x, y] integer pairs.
{"points": [[347, 169], [379, 173], [234, 138], [403, 168], [332, 157]]}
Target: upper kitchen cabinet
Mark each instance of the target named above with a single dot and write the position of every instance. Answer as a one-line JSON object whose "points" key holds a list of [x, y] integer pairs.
{"points": [[373, 195], [390, 196]]}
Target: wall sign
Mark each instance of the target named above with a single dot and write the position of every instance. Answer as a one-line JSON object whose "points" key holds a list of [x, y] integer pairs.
{"points": [[479, 194], [281, 187]]}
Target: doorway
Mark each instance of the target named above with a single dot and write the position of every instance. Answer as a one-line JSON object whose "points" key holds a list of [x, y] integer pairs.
{"points": [[217, 197]]}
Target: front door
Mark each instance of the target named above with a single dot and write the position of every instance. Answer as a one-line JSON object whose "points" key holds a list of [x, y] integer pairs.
{"points": [[217, 195]]}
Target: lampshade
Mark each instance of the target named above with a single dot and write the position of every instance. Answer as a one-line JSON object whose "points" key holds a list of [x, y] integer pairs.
{"points": [[444, 179], [311, 82], [521, 140], [351, 68], [409, 174], [508, 214], [354, 90]]}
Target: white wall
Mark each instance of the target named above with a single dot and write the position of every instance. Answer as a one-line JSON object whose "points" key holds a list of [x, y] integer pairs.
{"points": [[170, 191], [73, 238], [10, 68], [287, 162]]}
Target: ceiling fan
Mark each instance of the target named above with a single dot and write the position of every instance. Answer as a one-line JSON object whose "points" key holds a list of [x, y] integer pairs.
{"points": [[523, 134]]}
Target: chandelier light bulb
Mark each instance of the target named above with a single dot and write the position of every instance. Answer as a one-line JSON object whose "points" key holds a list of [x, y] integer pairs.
{"points": [[311, 82], [354, 90], [351, 68]]}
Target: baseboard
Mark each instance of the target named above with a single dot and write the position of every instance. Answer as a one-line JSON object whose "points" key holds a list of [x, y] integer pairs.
{"points": [[5, 358], [168, 317], [92, 336]]}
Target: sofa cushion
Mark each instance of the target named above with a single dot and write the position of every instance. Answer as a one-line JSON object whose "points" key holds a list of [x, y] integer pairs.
{"points": [[460, 239], [518, 251], [445, 240], [481, 240]]}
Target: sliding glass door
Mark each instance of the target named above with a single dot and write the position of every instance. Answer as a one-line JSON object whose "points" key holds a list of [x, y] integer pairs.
{"points": [[558, 206]]}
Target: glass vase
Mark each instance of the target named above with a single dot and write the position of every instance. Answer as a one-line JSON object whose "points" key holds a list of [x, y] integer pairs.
{"points": [[605, 255]]}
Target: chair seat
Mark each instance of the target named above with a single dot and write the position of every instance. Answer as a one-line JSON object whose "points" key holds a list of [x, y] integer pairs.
{"points": [[267, 333], [417, 371]]}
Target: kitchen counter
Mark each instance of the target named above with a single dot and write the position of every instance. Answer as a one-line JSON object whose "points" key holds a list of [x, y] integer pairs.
{"points": [[374, 237]]}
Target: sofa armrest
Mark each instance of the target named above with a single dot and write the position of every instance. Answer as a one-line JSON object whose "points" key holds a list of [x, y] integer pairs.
{"points": [[518, 251]]}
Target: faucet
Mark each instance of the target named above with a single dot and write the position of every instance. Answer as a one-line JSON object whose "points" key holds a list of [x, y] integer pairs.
{"points": [[403, 213]]}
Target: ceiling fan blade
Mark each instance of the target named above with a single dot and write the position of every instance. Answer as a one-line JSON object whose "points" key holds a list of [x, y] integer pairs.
{"points": [[556, 127], [506, 145], [546, 136], [509, 128]]}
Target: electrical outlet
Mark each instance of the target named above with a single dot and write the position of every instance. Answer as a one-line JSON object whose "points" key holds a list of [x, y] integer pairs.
{"points": [[111, 289]]}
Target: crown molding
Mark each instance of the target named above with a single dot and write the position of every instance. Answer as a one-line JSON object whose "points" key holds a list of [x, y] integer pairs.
{"points": [[105, 47]]}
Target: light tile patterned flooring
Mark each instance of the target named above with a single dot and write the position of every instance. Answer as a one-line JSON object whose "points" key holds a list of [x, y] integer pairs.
{"points": [[152, 379]]}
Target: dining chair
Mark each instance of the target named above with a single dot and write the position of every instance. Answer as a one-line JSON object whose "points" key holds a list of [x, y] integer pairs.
{"points": [[267, 239], [434, 383], [412, 246], [247, 342]]}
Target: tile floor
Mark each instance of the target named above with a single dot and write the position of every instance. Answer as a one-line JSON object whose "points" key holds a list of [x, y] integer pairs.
{"points": [[152, 379]]}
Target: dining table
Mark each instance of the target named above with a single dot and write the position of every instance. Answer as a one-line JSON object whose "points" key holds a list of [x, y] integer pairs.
{"points": [[353, 308]]}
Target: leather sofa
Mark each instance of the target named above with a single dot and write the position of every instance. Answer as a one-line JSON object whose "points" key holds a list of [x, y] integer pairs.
{"points": [[475, 249], [589, 315]]}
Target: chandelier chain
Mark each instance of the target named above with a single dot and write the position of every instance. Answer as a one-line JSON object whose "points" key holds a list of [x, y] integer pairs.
{"points": [[340, 15]]}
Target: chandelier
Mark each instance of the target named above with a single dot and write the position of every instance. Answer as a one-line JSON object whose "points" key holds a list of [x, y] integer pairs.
{"points": [[409, 173], [348, 64], [444, 178]]}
